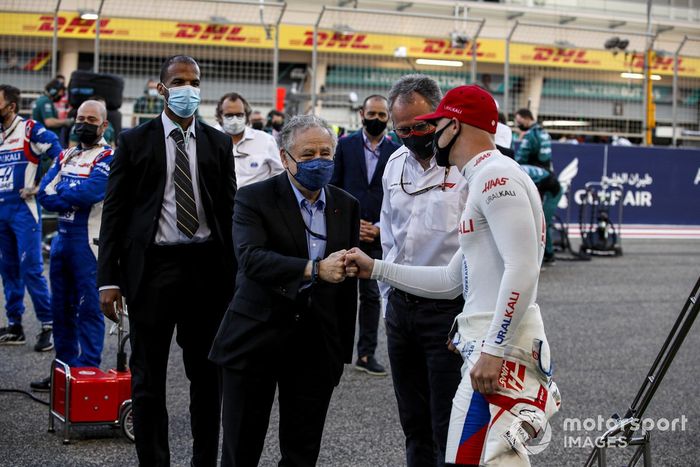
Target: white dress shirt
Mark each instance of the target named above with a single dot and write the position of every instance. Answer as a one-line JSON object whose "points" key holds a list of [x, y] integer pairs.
{"points": [[257, 157], [168, 233], [420, 230]]}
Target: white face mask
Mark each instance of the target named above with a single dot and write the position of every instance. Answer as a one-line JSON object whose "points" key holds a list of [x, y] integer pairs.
{"points": [[152, 92], [234, 125]]}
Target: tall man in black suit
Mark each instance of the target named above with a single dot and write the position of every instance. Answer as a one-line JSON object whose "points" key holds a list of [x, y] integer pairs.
{"points": [[166, 245], [291, 323], [359, 165]]}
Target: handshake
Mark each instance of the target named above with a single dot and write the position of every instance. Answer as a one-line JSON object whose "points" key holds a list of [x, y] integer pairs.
{"points": [[345, 263]]}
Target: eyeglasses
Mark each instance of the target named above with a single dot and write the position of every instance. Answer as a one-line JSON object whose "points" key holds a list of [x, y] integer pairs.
{"points": [[419, 129], [426, 189]]}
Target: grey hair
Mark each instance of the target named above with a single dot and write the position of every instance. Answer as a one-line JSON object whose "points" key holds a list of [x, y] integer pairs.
{"points": [[418, 83], [300, 123]]}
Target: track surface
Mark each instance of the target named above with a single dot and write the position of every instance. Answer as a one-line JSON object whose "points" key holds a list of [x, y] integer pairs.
{"points": [[605, 320]]}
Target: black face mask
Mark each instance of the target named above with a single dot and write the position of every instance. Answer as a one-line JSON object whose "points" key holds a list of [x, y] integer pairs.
{"points": [[87, 133], [374, 127], [421, 146], [523, 127], [257, 125], [277, 126], [442, 155]]}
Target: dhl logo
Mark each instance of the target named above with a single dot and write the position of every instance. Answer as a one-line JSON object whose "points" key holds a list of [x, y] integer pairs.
{"points": [[337, 40], [558, 55], [210, 32], [658, 63], [74, 26], [442, 47]]}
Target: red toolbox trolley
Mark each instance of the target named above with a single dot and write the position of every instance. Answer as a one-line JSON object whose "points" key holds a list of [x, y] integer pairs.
{"points": [[89, 396]]}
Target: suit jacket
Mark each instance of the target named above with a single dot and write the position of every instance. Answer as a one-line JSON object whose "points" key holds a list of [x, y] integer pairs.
{"points": [[271, 249], [134, 200], [350, 173]]}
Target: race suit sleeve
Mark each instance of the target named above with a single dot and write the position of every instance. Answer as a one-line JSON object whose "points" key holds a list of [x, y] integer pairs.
{"points": [[44, 142], [516, 235], [47, 196], [437, 282], [92, 190]]}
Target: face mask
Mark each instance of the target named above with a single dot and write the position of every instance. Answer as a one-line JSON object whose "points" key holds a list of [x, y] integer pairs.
{"points": [[522, 127], [374, 127], [87, 133], [314, 174], [277, 126], [421, 146], [442, 155], [257, 125], [234, 125], [183, 100], [152, 92]]}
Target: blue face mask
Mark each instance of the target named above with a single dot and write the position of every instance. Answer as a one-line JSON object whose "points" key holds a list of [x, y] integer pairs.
{"points": [[183, 100], [314, 174]]}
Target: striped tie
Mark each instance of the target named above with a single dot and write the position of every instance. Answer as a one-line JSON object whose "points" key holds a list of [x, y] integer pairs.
{"points": [[187, 221]]}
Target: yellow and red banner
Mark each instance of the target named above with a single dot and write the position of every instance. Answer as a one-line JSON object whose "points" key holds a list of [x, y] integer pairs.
{"points": [[295, 37]]}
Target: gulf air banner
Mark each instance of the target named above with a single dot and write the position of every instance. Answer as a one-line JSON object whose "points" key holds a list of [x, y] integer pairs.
{"points": [[295, 37]]}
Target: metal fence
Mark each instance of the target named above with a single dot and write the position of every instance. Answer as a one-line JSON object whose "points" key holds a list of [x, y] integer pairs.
{"points": [[575, 90], [573, 78], [346, 67]]}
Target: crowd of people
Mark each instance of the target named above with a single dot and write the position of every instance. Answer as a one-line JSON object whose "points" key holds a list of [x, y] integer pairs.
{"points": [[256, 238]]}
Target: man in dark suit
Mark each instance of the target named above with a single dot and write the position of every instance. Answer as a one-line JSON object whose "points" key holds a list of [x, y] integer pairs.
{"points": [[359, 165], [166, 246], [291, 323]]}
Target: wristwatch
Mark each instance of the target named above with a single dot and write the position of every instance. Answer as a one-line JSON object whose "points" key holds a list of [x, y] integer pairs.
{"points": [[314, 270]]}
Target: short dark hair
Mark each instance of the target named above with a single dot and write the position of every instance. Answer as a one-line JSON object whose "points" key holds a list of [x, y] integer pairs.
{"points": [[525, 113], [274, 113], [502, 118], [233, 97], [170, 61], [374, 96], [11, 95], [54, 86]]}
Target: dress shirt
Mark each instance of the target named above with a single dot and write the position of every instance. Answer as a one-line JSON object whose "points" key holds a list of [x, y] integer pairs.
{"points": [[371, 155], [420, 230], [168, 233], [315, 219]]}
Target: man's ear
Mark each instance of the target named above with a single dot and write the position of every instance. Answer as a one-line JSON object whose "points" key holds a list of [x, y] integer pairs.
{"points": [[162, 89]]}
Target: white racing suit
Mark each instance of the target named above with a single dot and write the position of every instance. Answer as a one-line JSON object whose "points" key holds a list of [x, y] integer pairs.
{"points": [[502, 236]]}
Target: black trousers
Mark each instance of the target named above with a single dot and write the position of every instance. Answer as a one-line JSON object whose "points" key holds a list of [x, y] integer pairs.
{"points": [[304, 395], [425, 373], [368, 315], [183, 290]]}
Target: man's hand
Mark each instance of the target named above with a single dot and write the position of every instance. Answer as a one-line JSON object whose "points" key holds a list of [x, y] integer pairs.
{"points": [[358, 264], [108, 298], [368, 231], [485, 373], [332, 269], [27, 193]]}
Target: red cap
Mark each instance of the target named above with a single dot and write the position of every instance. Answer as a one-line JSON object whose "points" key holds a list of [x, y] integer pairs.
{"points": [[468, 104]]}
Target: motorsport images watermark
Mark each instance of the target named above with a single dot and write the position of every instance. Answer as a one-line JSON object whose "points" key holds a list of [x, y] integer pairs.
{"points": [[601, 424]]}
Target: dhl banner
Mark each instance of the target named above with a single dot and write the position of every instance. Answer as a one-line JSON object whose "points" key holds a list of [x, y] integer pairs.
{"points": [[295, 37]]}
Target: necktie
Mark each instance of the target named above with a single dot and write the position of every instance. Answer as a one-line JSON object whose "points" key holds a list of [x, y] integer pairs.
{"points": [[187, 221]]}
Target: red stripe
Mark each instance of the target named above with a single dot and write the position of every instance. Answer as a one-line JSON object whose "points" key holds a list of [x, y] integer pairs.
{"points": [[27, 142], [469, 452]]}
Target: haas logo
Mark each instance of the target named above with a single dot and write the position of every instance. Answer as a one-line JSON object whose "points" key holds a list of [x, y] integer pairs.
{"points": [[493, 183], [512, 376]]}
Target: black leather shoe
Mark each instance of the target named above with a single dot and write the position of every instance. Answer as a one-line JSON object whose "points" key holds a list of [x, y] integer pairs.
{"points": [[41, 386], [371, 367]]}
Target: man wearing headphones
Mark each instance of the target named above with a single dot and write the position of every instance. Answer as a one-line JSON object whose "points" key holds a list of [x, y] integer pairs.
{"points": [[44, 110]]}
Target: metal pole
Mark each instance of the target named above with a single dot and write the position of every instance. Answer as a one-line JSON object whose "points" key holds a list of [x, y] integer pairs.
{"points": [[506, 73], [314, 64], [675, 89], [54, 42], [96, 58], [474, 49], [645, 136]]}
